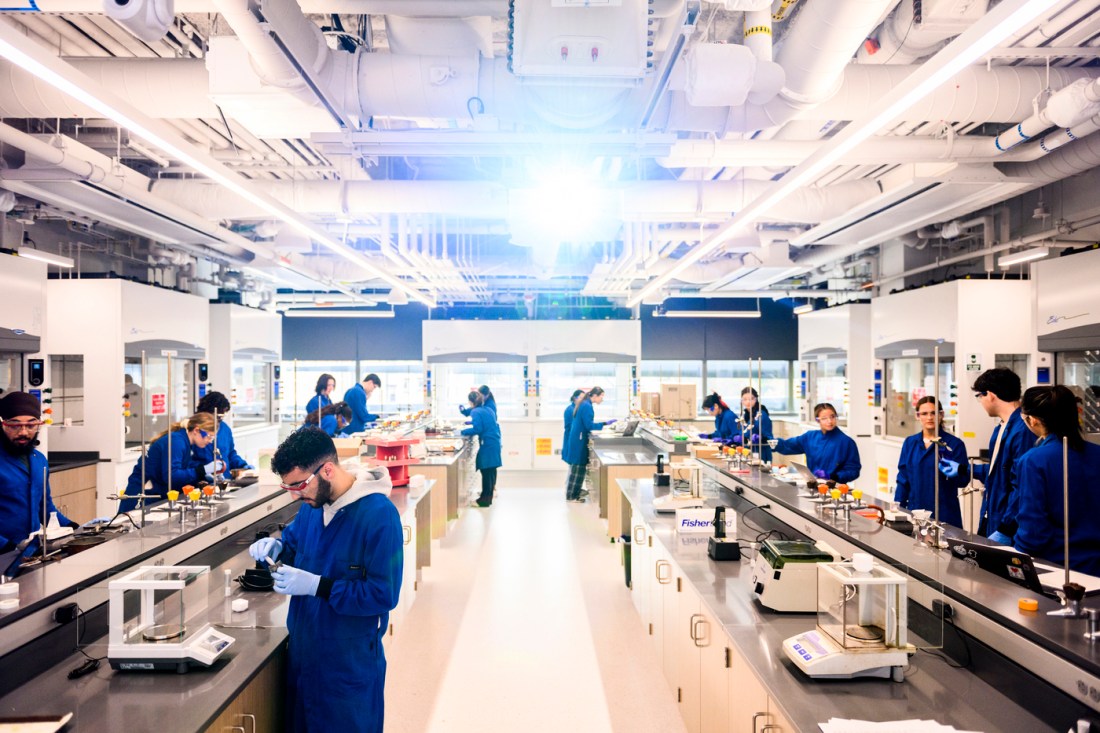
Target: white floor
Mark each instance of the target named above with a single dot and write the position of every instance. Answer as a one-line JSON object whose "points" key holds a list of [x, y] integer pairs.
{"points": [[524, 622]]}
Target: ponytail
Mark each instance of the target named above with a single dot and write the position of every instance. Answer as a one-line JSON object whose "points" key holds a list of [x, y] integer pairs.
{"points": [[594, 392], [1056, 407], [714, 399], [201, 420], [476, 398]]}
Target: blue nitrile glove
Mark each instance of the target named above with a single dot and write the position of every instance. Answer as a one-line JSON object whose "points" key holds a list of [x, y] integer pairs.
{"points": [[612, 421], [1001, 538], [754, 439], [294, 582], [98, 520], [949, 468], [736, 439], [704, 435], [820, 474], [264, 548]]}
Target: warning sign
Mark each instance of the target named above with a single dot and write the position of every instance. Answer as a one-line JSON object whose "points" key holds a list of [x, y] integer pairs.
{"points": [[158, 403], [544, 447], [883, 476]]}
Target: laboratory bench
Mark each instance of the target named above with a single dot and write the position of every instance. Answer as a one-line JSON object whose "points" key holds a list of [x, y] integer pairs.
{"points": [[721, 651], [245, 684]]}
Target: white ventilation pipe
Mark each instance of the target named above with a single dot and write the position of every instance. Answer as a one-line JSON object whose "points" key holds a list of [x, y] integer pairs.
{"points": [[699, 274], [639, 201], [902, 40], [408, 8], [819, 45], [1070, 160], [758, 32]]}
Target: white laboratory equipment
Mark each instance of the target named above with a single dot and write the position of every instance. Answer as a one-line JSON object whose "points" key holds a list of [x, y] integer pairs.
{"points": [[784, 569], [150, 628], [861, 623]]}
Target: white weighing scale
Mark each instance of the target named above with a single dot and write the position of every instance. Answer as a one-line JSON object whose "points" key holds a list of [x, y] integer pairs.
{"points": [[158, 638], [689, 473], [861, 625]]}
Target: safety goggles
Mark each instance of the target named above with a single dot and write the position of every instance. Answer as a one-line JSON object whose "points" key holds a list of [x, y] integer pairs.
{"points": [[301, 485], [21, 427]]}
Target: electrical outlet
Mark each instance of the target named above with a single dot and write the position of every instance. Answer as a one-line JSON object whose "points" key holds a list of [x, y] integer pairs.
{"points": [[942, 610]]}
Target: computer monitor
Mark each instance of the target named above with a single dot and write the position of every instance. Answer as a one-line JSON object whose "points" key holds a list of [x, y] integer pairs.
{"points": [[631, 426], [802, 471], [1007, 562]]}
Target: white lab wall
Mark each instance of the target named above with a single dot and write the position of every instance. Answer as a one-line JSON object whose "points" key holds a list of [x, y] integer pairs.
{"points": [[234, 328], [532, 339], [1065, 292], [23, 284], [982, 318]]}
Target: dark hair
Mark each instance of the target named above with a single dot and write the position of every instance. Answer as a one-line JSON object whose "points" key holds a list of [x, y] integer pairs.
{"points": [[214, 402], [1057, 407], [749, 415], [576, 393], [930, 400], [486, 392], [322, 383], [1002, 382], [372, 377], [823, 406], [303, 449], [476, 399], [714, 400], [342, 409], [594, 392]]}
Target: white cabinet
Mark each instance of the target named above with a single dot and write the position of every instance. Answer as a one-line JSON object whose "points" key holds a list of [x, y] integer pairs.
{"points": [[715, 654], [748, 700], [641, 581], [661, 601], [687, 632], [408, 577]]}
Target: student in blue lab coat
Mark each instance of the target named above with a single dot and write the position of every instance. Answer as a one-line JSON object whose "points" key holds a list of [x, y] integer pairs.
{"points": [[830, 454], [488, 460], [194, 434], [756, 423], [575, 451], [342, 564], [325, 384], [725, 419], [998, 391], [916, 472], [357, 397], [1051, 414], [23, 472], [568, 417], [334, 419], [225, 448], [487, 396]]}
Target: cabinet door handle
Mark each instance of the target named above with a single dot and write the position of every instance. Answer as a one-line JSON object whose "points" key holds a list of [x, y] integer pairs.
{"points": [[754, 717], [407, 532], [638, 529], [695, 635], [660, 579], [249, 716], [771, 726]]}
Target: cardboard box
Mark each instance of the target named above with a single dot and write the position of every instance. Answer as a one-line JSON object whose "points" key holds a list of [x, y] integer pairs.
{"points": [[347, 447], [651, 402], [705, 451], [678, 402]]}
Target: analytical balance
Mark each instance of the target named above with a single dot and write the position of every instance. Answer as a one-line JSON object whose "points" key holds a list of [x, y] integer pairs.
{"points": [[861, 623], [148, 620], [785, 572], [685, 488]]}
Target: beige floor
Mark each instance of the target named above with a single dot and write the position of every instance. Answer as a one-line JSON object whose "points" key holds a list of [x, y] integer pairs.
{"points": [[524, 623]]}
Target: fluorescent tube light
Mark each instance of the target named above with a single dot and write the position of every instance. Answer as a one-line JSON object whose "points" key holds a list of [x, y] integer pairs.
{"points": [[48, 257], [804, 308], [34, 59], [330, 313], [710, 314], [998, 25], [1027, 255]]}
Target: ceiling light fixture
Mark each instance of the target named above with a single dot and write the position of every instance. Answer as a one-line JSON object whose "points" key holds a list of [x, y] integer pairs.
{"points": [[48, 257], [996, 26], [707, 314], [331, 313], [32, 58], [803, 309], [1027, 255]]}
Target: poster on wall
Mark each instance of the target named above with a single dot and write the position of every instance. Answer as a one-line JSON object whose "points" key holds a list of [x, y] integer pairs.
{"points": [[158, 403]]}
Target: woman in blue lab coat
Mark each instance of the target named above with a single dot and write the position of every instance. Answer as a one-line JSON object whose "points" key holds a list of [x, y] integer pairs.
{"points": [[488, 453], [756, 423], [334, 419], [830, 454], [223, 447], [916, 472], [568, 417], [195, 433], [725, 419], [325, 384], [1051, 414], [489, 402], [575, 451]]}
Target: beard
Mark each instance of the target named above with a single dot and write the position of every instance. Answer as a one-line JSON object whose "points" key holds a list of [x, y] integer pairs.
{"points": [[21, 446], [324, 493]]}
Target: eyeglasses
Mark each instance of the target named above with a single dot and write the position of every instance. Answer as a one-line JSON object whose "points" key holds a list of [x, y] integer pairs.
{"points": [[827, 418], [204, 434], [301, 485], [21, 427], [979, 395], [926, 414]]}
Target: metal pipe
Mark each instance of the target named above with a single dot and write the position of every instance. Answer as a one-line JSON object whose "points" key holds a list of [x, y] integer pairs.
{"points": [[936, 435], [144, 413], [1065, 502]]}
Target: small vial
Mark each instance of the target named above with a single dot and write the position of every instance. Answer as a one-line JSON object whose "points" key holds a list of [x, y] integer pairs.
{"points": [[228, 582]]}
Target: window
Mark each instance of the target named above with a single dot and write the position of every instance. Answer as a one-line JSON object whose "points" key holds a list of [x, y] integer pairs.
{"points": [[728, 378], [148, 395], [653, 373], [250, 395], [1080, 371], [299, 383], [402, 389], [828, 382], [67, 375], [455, 380], [908, 380], [558, 380]]}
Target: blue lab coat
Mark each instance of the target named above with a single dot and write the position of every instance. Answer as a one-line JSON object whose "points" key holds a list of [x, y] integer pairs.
{"points": [[832, 452], [21, 498], [336, 669], [491, 403], [568, 424], [1039, 483], [761, 424], [725, 426], [356, 397], [186, 469], [331, 426], [1000, 501], [575, 451], [916, 477], [227, 451], [487, 430], [317, 402]]}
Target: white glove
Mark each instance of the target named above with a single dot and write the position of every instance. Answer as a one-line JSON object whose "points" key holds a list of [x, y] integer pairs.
{"points": [[211, 469]]}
